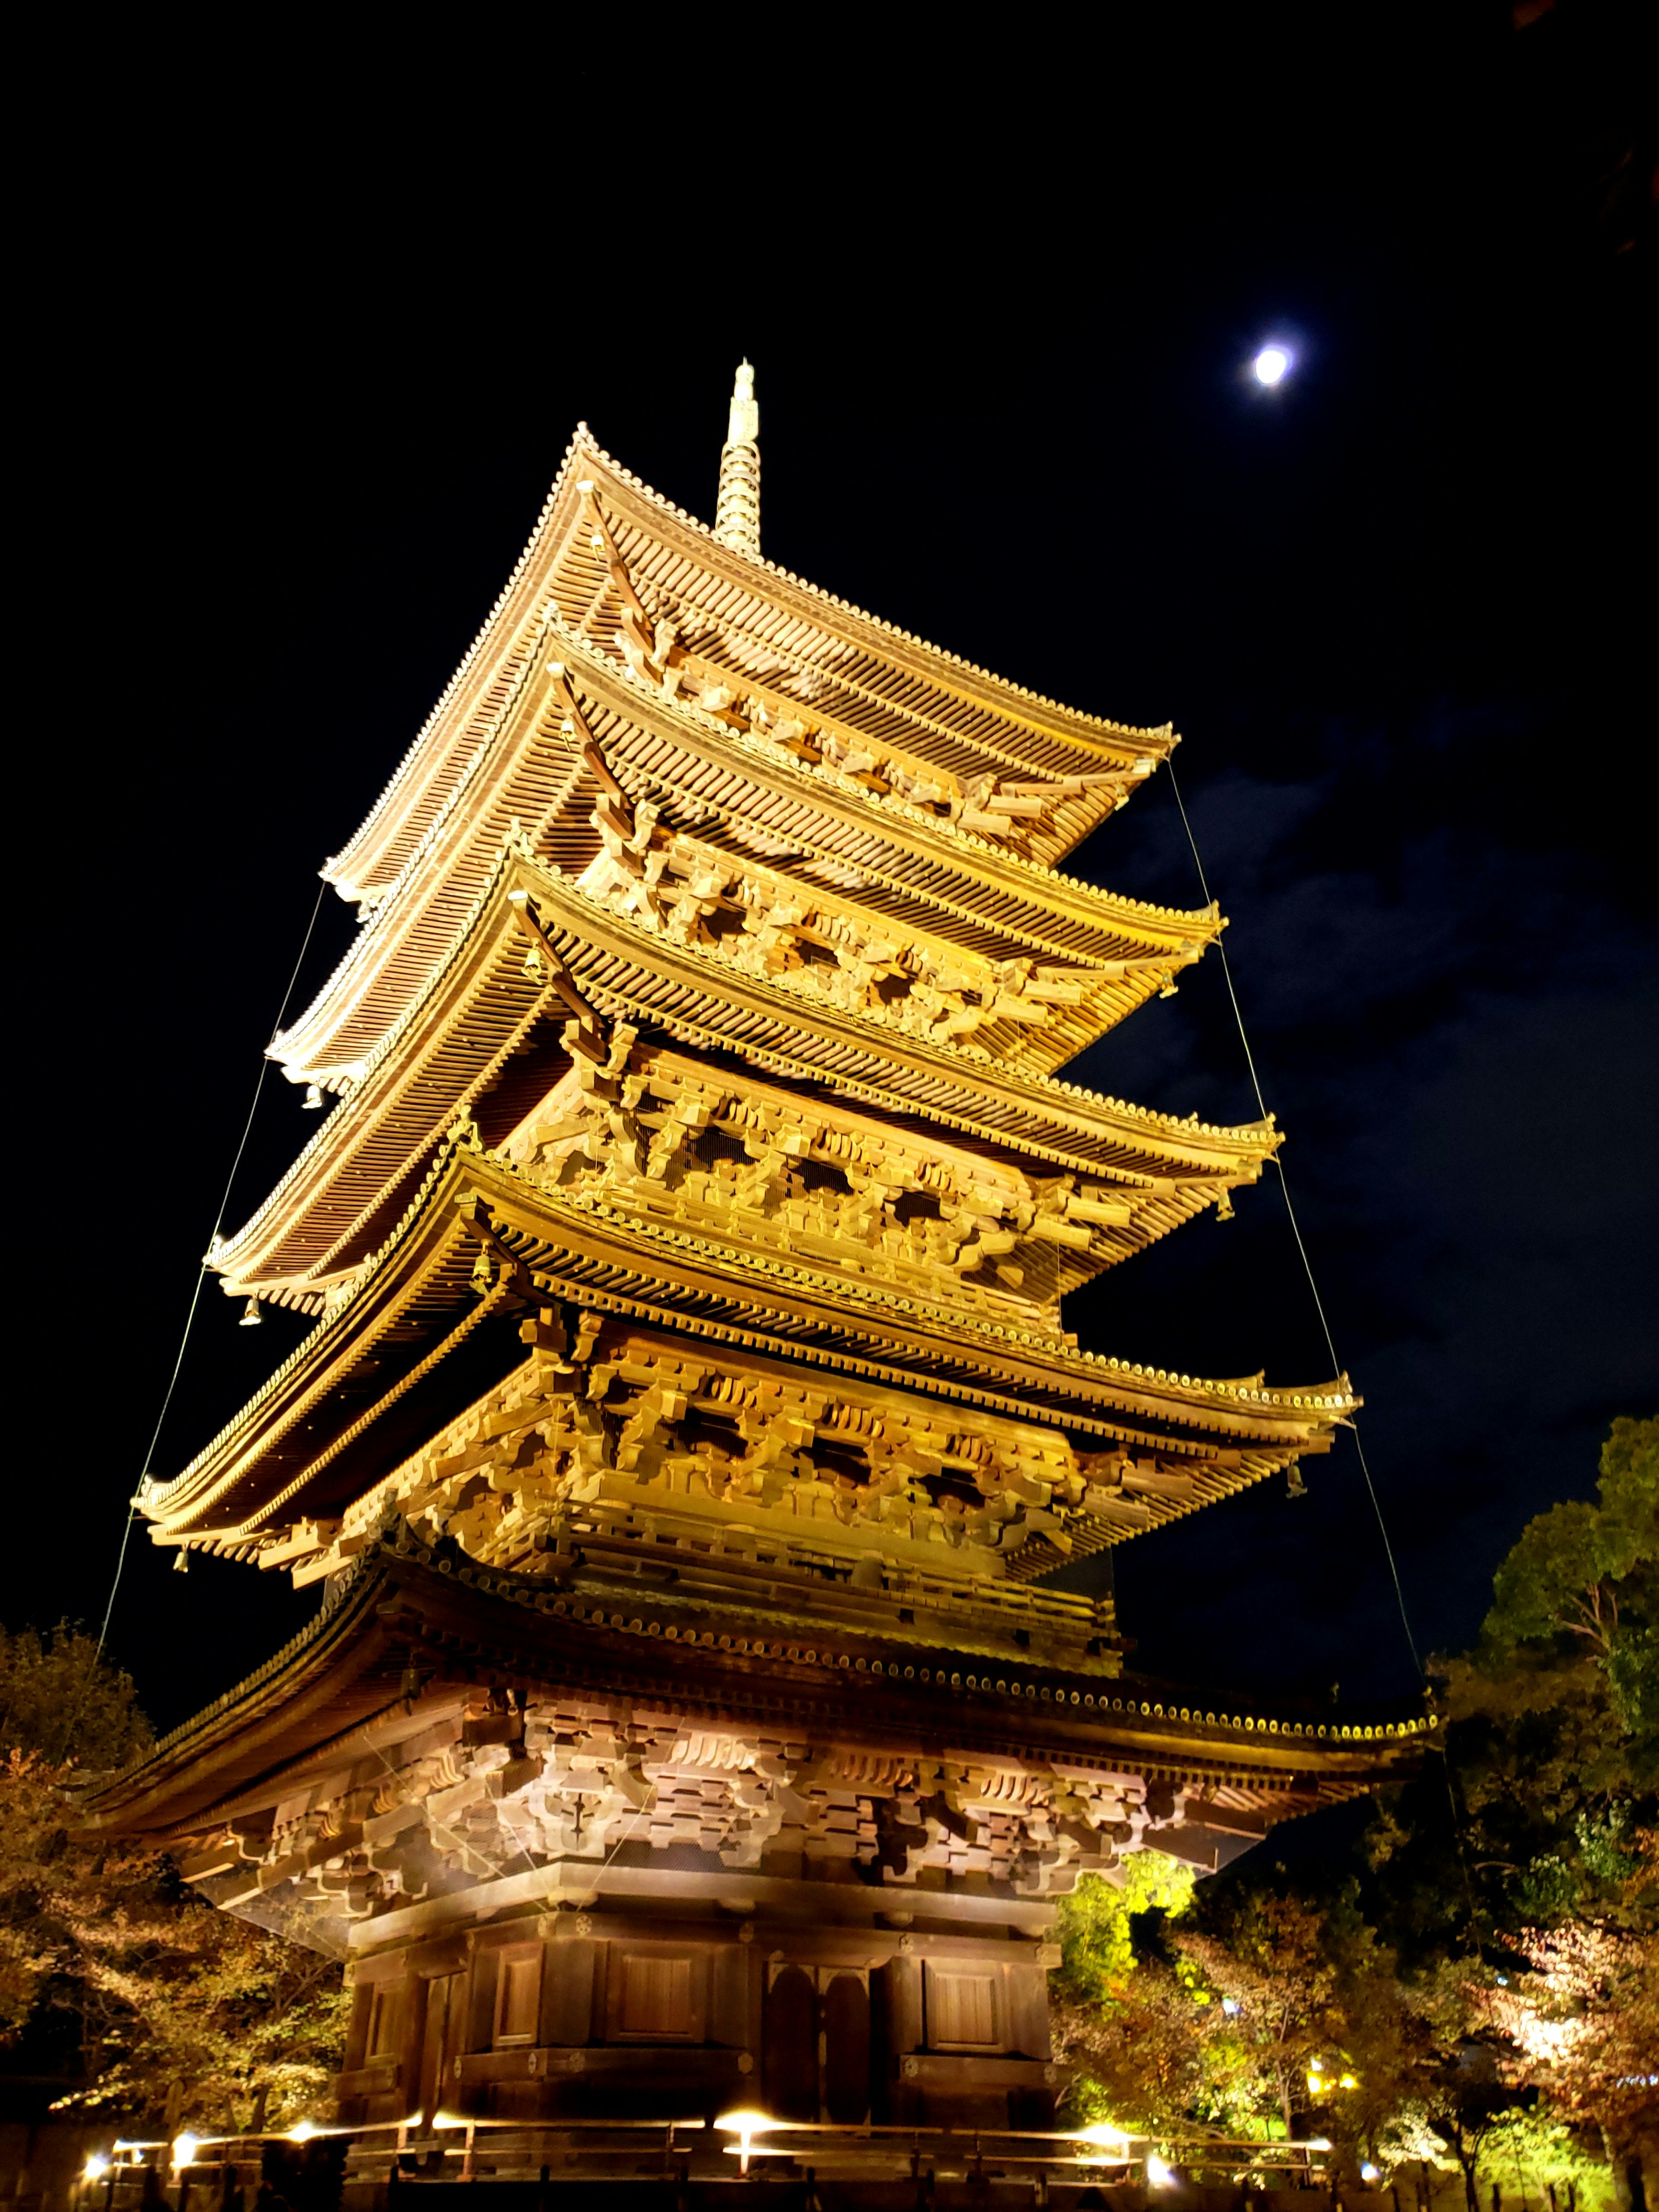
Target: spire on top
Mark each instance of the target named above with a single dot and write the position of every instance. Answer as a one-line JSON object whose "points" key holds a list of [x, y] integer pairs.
{"points": [[736, 509]]}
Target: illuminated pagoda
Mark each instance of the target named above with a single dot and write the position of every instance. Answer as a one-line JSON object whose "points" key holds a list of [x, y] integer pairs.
{"points": [[689, 1433]]}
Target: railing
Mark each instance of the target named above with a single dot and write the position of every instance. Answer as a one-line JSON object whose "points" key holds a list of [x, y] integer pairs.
{"points": [[739, 2146]]}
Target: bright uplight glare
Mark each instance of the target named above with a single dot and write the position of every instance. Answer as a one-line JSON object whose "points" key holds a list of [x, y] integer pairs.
{"points": [[1159, 2175], [1271, 365], [746, 2126], [1369, 2172], [185, 2149], [303, 2130], [1231, 2007], [1319, 2143], [1102, 2134], [1348, 2081], [97, 2167]]}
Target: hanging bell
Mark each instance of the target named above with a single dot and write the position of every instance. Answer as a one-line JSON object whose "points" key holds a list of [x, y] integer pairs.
{"points": [[1294, 1486], [482, 1274], [181, 1562], [252, 1316], [532, 964], [314, 1102], [1224, 1205]]}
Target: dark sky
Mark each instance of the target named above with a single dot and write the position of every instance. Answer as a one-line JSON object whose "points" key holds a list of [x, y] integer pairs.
{"points": [[303, 364]]}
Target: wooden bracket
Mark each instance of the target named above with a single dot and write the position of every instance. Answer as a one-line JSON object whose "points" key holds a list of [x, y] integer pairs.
{"points": [[593, 1037]]}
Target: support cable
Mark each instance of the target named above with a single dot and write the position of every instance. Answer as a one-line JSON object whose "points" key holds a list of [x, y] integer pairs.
{"points": [[1330, 1346], [1296, 1231], [202, 1272]]}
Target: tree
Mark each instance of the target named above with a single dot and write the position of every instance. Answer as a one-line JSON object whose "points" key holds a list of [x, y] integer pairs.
{"points": [[1482, 1990], [59, 1698], [1118, 2013], [113, 1973]]}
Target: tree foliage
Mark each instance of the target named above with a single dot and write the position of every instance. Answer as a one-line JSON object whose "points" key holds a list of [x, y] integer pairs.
{"points": [[1482, 1987], [114, 1975], [62, 1700]]}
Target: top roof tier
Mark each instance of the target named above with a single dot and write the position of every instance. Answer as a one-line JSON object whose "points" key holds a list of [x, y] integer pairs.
{"points": [[616, 580], [766, 627]]}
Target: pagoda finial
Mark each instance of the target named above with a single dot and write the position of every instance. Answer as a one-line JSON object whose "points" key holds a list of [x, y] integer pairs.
{"points": [[736, 510]]}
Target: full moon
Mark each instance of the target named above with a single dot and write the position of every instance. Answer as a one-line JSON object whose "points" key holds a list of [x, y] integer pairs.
{"points": [[1271, 365]]}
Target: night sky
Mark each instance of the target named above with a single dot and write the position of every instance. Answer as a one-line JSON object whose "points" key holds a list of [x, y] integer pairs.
{"points": [[300, 377]]}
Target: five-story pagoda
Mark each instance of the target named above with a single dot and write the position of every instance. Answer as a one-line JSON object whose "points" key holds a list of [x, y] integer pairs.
{"points": [[688, 1428]]}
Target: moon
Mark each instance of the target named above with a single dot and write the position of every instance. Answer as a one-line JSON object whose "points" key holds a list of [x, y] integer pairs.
{"points": [[1271, 365]]}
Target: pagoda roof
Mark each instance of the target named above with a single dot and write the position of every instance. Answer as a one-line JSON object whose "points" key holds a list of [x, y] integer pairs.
{"points": [[399, 1605], [746, 794], [766, 623], [408, 1343], [481, 1009]]}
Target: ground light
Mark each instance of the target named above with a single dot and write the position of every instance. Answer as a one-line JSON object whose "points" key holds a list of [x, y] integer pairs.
{"points": [[1369, 2172], [185, 2149], [746, 2126], [1159, 2174], [96, 2166], [1102, 2133], [303, 2130]]}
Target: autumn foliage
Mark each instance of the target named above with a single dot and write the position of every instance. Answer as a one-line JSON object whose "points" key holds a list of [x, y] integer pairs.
{"points": [[144, 2001]]}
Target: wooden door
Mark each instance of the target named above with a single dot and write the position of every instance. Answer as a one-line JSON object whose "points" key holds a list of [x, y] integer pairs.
{"points": [[440, 2037], [817, 2044], [792, 2045], [844, 2047]]}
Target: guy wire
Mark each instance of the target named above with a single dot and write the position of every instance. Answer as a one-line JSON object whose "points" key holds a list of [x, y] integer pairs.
{"points": [[1296, 1230], [201, 1274]]}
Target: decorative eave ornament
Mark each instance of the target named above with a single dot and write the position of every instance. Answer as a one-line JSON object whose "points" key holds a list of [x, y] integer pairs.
{"points": [[736, 509]]}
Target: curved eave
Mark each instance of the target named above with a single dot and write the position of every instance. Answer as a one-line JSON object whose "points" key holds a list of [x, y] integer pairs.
{"points": [[690, 989], [526, 774], [480, 1005], [676, 544], [350, 1400]]}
